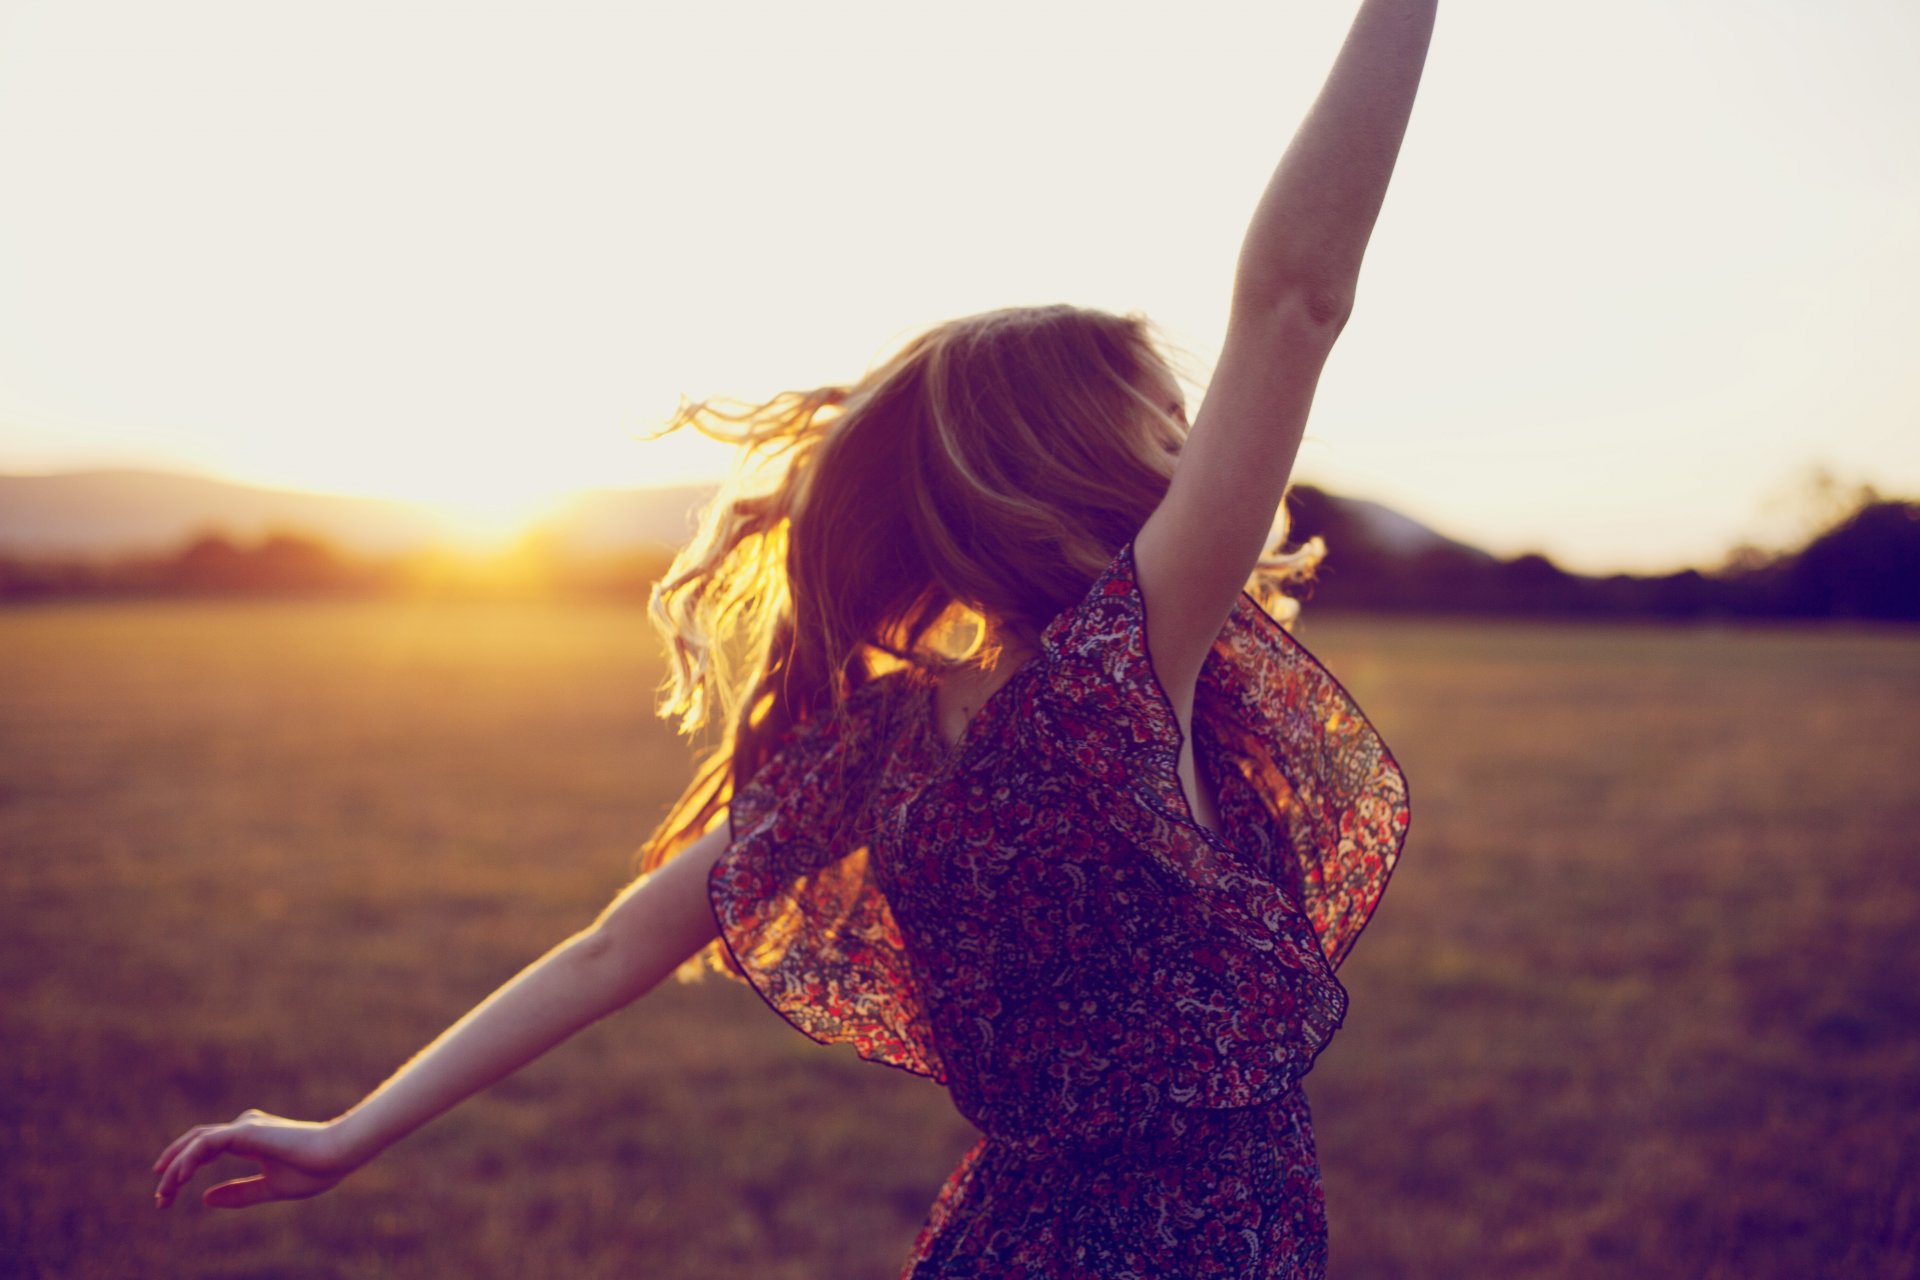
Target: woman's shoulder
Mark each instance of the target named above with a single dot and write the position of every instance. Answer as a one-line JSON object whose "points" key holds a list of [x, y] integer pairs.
{"points": [[1110, 607], [1097, 654], [1099, 683]]}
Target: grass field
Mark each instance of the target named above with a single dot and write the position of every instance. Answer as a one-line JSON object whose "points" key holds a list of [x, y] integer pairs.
{"points": [[1643, 999]]}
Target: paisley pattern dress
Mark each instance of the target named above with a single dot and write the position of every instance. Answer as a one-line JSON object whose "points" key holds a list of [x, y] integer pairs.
{"points": [[1121, 1001]]}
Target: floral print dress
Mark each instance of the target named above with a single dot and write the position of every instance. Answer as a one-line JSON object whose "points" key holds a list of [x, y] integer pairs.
{"points": [[1121, 1001]]}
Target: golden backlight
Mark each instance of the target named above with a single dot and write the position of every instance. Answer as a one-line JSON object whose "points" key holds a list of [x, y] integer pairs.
{"points": [[1627, 247], [490, 519]]}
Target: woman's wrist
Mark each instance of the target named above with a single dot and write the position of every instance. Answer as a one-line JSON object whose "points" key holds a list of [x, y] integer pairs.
{"points": [[354, 1140]]}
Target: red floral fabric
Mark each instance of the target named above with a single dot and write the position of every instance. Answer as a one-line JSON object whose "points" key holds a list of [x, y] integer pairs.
{"points": [[1123, 1002]]}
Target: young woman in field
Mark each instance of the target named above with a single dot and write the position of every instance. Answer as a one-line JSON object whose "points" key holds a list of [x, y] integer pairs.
{"points": [[1019, 790]]}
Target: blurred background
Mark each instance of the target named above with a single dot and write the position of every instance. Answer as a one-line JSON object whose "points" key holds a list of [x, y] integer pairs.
{"points": [[330, 340]]}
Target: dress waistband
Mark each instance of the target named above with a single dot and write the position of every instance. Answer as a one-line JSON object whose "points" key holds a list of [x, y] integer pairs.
{"points": [[1171, 1135]]}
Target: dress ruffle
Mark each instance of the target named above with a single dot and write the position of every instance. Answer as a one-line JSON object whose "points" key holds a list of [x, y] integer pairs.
{"points": [[795, 900]]}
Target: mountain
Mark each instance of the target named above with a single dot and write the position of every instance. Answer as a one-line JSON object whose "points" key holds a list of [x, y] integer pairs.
{"points": [[91, 513], [103, 513], [1368, 527]]}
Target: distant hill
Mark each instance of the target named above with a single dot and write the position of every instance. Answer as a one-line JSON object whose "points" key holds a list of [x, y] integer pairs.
{"points": [[103, 513], [1379, 558], [1370, 528]]}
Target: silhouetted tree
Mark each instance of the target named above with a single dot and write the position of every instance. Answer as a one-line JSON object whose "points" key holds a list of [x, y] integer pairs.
{"points": [[211, 562], [1867, 566]]}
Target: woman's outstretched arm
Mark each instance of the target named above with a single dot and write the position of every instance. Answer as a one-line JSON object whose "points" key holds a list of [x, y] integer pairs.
{"points": [[648, 930], [1293, 290]]}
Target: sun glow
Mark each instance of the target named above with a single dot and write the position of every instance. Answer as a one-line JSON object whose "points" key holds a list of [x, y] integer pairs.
{"points": [[481, 492], [475, 500], [481, 521]]}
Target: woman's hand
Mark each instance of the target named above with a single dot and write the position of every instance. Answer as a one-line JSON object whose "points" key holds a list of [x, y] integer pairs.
{"points": [[297, 1159]]}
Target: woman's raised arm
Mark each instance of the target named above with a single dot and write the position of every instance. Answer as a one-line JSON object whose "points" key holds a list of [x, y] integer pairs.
{"points": [[644, 934], [1293, 290]]}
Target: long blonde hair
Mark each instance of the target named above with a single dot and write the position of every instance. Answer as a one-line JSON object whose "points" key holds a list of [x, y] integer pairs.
{"points": [[989, 469]]}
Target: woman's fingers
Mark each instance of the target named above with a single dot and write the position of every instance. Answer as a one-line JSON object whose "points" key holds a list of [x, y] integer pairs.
{"points": [[209, 1142], [173, 1148], [239, 1193], [180, 1165]]}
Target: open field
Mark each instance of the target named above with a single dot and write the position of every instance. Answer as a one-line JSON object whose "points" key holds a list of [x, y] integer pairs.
{"points": [[1643, 999]]}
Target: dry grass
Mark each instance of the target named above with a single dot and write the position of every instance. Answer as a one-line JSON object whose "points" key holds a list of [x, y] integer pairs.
{"points": [[1642, 1000]]}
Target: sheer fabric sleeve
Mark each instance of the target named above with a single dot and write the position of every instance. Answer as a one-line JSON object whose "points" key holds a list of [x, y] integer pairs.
{"points": [[1336, 799], [1244, 997], [800, 915]]}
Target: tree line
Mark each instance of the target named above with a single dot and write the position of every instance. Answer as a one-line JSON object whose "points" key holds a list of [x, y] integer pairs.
{"points": [[291, 563], [1865, 565]]}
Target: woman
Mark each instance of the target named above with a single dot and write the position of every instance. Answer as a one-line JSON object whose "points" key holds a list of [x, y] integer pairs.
{"points": [[1019, 790]]}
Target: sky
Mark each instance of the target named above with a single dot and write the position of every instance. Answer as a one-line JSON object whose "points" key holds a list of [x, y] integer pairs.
{"points": [[1644, 265]]}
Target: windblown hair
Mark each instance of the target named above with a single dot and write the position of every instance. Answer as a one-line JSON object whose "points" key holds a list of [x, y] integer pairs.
{"points": [[991, 468]]}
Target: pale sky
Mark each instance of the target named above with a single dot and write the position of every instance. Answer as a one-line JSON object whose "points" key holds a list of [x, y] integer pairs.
{"points": [[1644, 264]]}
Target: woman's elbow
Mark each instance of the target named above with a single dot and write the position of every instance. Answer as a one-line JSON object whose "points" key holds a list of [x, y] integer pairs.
{"points": [[613, 964], [1297, 312], [1323, 308]]}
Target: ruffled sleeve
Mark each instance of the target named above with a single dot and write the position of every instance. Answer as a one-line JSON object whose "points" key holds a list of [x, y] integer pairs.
{"points": [[1242, 996], [800, 915], [1334, 799]]}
